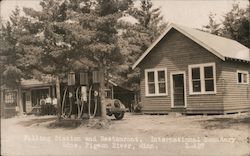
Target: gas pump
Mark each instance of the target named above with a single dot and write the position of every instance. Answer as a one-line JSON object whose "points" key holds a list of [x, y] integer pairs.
{"points": [[81, 94]]}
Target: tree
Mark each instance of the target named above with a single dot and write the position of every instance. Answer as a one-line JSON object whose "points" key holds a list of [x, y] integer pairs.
{"points": [[75, 34], [13, 65], [212, 27], [234, 25], [48, 39], [9, 53], [104, 49], [137, 37]]}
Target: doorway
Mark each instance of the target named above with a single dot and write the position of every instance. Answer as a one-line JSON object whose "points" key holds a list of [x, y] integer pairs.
{"points": [[24, 101], [178, 89]]}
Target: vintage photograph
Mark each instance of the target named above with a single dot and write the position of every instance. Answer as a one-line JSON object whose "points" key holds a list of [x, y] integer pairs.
{"points": [[125, 77]]}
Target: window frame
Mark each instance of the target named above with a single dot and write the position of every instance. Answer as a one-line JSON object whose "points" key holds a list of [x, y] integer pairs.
{"points": [[202, 78], [156, 82], [242, 72]]}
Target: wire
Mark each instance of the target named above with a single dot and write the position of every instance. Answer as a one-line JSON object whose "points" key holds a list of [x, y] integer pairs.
{"points": [[78, 102], [63, 102], [64, 115]]}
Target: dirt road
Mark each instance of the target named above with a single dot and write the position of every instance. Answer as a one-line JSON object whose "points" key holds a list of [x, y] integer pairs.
{"points": [[134, 135]]}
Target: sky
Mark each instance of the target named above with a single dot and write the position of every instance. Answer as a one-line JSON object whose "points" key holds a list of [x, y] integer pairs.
{"points": [[191, 13]]}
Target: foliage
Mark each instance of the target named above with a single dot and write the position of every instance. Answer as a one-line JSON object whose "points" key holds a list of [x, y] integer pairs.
{"points": [[212, 27], [70, 35], [235, 25], [76, 34], [137, 37], [15, 64]]}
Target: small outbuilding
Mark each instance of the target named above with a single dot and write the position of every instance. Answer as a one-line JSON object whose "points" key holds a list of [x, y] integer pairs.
{"points": [[193, 72]]}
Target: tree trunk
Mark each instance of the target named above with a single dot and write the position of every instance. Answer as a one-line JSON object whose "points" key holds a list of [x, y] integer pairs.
{"points": [[102, 93], [19, 92], [58, 94]]}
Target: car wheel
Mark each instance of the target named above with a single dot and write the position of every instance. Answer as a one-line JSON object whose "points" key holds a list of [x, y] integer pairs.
{"points": [[119, 116]]}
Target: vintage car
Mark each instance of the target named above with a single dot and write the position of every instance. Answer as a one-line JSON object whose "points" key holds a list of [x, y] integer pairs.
{"points": [[115, 107]]}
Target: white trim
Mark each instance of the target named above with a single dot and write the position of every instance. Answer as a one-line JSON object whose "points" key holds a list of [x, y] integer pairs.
{"points": [[172, 89], [155, 70], [184, 33], [202, 78], [242, 72]]}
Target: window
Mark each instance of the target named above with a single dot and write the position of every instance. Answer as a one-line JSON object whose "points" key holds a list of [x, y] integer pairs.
{"points": [[196, 80], [242, 77], [155, 82], [202, 78]]}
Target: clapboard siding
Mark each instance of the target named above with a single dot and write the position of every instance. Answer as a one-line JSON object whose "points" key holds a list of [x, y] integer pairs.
{"points": [[236, 96], [175, 52]]}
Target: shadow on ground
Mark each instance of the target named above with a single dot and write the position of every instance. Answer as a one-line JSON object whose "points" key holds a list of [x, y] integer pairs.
{"points": [[225, 123], [35, 121], [66, 124]]}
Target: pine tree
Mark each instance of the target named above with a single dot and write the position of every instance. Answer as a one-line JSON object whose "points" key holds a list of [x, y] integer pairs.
{"points": [[10, 34], [212, 27], [13, 65], [234, 25], [137, 37], [104, 49], [70, 35]]}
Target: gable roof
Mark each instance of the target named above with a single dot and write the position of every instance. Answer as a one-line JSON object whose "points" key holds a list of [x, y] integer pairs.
{"points": [[219, 46]]}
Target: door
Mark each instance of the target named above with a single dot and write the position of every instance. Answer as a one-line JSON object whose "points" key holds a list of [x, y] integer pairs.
{"points": [[178, 90], [24, 101]]}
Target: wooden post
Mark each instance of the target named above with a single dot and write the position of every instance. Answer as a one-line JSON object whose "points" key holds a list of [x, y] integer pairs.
{"points": [[2, 102], [19, 99], [102, 93], [58, 98]]}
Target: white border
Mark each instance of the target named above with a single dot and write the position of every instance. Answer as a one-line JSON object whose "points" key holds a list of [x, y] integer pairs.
{"points": [[155, 70], [201, 66], [243, 72]]}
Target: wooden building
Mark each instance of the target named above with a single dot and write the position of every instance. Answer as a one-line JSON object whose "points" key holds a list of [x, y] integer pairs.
{"points": [[33, 91], [193, 72], [24, 99]]}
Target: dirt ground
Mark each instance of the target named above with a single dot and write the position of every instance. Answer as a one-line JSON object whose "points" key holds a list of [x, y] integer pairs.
{"points": [[145, 135]]}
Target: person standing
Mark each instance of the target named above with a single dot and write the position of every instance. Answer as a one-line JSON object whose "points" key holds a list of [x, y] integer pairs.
{"points": [[54, 103], [48, 101]]}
